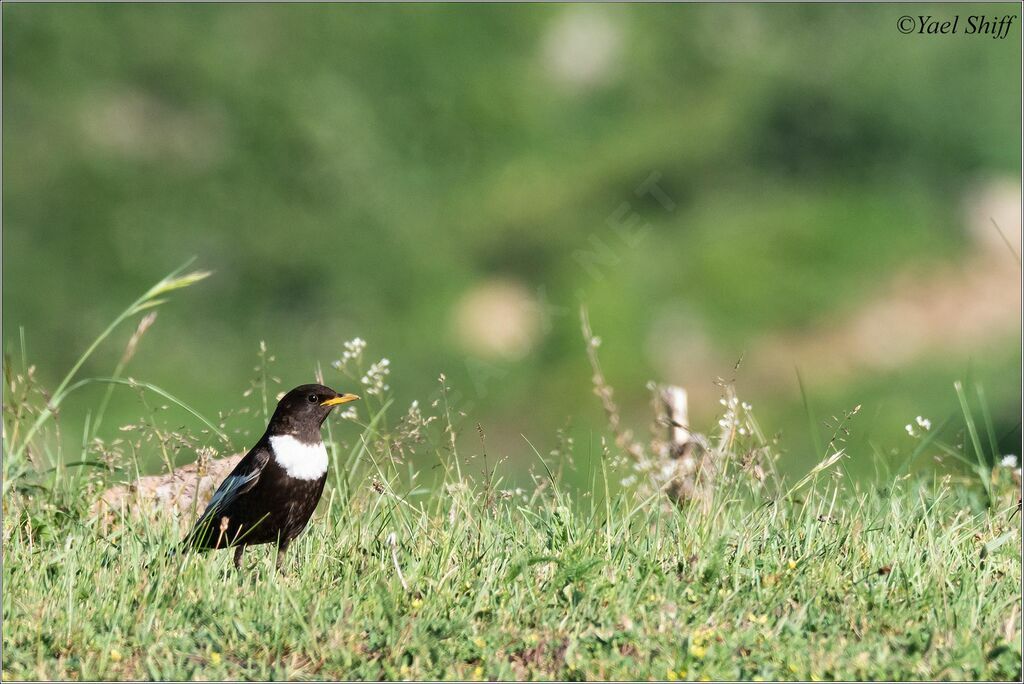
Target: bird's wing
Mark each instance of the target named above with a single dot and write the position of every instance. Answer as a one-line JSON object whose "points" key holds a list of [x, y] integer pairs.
{"points": [[243, 478]]}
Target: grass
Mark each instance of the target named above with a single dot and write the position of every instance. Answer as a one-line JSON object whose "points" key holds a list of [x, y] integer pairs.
{"points": [[423, 563]]}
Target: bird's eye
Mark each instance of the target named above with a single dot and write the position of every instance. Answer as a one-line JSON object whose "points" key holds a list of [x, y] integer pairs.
{"points": [[313, 399]]}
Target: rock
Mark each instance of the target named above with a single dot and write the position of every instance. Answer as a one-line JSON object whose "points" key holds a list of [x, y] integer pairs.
{"points": [[179, 492]]}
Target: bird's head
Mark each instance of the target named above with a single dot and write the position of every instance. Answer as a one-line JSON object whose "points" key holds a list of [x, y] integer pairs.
{"points": [[303, 410]]}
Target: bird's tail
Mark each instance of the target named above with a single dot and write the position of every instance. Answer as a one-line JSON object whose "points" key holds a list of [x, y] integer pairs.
{"points": [[187, 545], [168, 556], [198, 538]]}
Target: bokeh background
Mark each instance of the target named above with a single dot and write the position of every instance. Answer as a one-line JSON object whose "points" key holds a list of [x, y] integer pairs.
{"points": [[799, 186]]}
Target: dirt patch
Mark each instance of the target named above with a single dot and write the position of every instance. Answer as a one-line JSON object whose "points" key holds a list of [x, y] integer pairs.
{"points": [[546, 657], [960, 308]]}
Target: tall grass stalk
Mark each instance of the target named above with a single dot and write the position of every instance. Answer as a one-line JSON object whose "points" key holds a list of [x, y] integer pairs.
{"points": [[175, 280]]}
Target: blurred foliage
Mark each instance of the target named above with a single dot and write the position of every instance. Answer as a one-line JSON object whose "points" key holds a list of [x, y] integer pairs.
{"points": [[355, 170]]}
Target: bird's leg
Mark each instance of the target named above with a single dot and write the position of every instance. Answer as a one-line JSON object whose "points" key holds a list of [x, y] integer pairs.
{"points": [[282, 548], [239, 550]]}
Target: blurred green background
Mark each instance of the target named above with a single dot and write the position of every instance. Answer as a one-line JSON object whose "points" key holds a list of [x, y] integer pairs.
{"points": [[801, 186]]}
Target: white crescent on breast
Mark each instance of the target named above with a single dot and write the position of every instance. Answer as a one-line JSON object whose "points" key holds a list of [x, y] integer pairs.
{"points": [[300, 460]]}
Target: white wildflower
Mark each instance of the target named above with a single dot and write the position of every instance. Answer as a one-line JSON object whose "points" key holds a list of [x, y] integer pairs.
{"points": [[374, 380], [352, 352], [910, 430], [512, 493], [1009, 461], [355, 346], [349, 414], [668, 470], [924, 422]]}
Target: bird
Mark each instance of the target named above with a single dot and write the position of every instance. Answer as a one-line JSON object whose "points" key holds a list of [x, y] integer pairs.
{"points": [[271, 494]]}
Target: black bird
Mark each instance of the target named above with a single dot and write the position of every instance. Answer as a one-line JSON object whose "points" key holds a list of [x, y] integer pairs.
{"points": [[272, 492]]}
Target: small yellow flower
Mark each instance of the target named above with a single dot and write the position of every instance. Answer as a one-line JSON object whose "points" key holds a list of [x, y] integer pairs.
{"points": [[417, 603], [705, 678], [757, 678], [479, 642], [758, 619], [478, 673], [532, 638], [215, 658], [115, 655], [791, 564], [671, 675], [697, 651], [404, 671], [792, 668], [723, 592]]}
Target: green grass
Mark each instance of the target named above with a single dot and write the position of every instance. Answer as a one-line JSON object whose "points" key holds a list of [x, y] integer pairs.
{"points": [[821, 578], [899, 583]]}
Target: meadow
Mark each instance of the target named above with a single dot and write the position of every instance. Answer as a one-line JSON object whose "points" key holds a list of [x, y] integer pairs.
{"points": [[424, 562], [805, 218], [448, 183]]}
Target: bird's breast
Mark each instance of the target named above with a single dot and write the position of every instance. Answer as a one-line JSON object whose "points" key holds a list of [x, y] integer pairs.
{"points": [[298, 459]]}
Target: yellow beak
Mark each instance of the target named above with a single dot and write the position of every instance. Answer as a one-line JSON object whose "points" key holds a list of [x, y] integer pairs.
{"points": [[340, 399]]}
